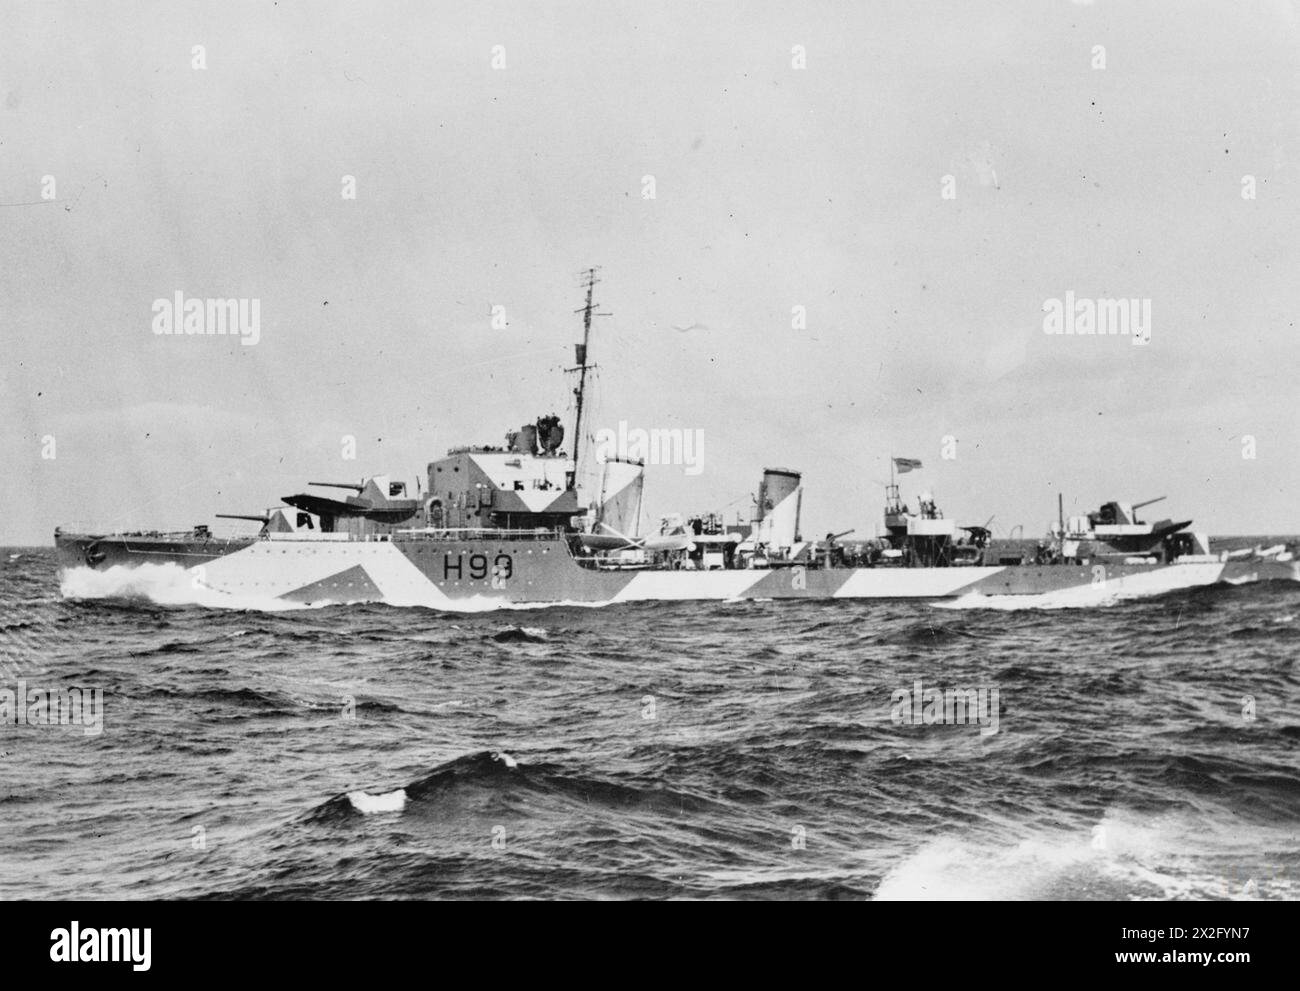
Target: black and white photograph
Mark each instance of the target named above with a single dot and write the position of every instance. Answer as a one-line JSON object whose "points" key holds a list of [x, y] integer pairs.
{"points": [[509, 451]]}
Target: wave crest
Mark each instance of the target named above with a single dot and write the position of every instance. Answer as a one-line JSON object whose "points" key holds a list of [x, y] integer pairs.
{"points": [[1124, 856]]}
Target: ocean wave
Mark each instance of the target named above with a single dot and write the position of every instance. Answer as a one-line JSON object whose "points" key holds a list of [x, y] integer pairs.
{"points": [[268, 702], [497, 772], [1124, 856], [473, 770], [520, 634], [1157, 721]]}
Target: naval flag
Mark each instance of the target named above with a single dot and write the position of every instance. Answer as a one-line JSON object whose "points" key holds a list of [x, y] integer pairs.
{"points": [[904, 465]]}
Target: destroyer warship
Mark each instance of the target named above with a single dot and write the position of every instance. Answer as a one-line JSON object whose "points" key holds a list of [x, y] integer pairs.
{"points": [[508, 525]]}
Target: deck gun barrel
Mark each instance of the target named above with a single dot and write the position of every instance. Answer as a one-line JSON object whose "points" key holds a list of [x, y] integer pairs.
{"points": [[1139, 505], [355, 487], [832, 537]]}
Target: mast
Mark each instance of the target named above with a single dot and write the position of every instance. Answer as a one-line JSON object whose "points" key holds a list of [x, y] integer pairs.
{"points": [[580, 353]]}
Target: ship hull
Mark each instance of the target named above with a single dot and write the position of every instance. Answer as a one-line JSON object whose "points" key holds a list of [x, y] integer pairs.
{"points": [[456, 573]]}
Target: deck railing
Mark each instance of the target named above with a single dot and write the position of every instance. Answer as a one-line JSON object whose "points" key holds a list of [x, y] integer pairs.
{"points": [[223, 533], [474, 533]]}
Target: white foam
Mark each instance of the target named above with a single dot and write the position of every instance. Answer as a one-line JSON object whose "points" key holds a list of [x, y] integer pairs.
{"points": [[483, 603], [505, 758], [487, 603], [368, 804], [164, 584], [1082, 597], [951, 869], [1125, 854]]}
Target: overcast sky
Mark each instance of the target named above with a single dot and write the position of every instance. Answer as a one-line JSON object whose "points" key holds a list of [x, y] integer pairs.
{"points": [[775, 187]]}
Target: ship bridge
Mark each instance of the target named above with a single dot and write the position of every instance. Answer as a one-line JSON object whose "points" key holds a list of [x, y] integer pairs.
{"points": [[496, 487]]}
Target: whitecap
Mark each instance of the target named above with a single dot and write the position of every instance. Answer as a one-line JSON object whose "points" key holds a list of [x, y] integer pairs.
{"points": [[368, 804]]}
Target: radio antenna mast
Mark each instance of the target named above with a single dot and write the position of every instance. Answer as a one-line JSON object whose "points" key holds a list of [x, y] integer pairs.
{"points": [[589, 280]]}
